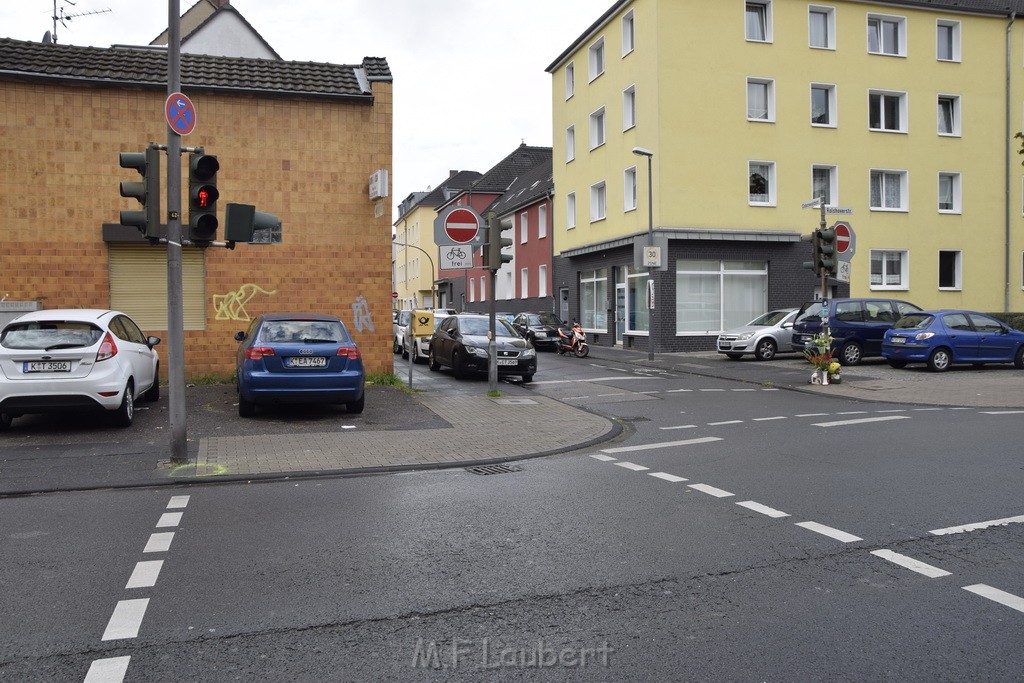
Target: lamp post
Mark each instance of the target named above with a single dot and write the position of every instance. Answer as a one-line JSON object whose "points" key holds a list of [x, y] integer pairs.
{"points": [[433, 292], [643, 152]]}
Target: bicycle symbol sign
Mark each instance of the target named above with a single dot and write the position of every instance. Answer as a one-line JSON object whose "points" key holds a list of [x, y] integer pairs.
{"points": [[456, 257]]}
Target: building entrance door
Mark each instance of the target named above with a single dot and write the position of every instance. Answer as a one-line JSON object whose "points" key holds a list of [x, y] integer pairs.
{"points": [[620, 311]]}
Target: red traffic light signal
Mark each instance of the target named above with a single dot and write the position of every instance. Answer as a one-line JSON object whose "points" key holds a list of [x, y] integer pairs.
{"points": [[202, 198]]}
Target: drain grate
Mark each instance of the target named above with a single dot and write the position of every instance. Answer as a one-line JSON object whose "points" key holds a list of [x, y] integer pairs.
{"points": [[493, 469], [636, 419]]}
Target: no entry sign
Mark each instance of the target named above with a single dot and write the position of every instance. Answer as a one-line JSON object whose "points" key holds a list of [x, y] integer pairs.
{"points": [[846, 240], [462, 225]]}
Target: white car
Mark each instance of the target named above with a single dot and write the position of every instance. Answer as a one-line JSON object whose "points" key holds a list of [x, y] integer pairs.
{"points": [[421, 349], [76, 359], [763, 336]]}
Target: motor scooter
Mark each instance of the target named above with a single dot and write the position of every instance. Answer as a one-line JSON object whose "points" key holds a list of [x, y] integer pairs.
{"points": [[573, 340]]}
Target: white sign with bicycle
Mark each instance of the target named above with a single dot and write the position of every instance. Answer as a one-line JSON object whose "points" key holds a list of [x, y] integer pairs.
{"points": [[456, 257]]}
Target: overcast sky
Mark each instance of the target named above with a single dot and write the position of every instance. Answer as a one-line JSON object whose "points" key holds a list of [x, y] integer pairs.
{"points": [[469, 77]]}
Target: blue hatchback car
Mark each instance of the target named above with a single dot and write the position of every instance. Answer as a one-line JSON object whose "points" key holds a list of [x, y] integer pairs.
{"points": [[941, 338], [298, 358]]}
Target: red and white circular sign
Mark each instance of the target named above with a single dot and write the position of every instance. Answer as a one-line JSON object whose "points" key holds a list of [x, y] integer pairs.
{"points": [[842, 237], [462, 225]]}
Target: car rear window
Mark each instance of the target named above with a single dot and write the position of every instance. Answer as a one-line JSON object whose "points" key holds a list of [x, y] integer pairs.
{"points": [[913, 322], [810, 313], [48, 335], [303, 332]]}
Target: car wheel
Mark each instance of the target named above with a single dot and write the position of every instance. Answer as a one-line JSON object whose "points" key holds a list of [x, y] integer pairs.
{"points": [[851, 354], [765, 349], [356, 406], [416, 357], [432, 362], [395, 348], [734, 356], [153, 393], [458, 366], [5, 421], [527, 379], [939, 360], [894, 363], [126, 411], [405, 352], [1018, 360], [245, 408]]}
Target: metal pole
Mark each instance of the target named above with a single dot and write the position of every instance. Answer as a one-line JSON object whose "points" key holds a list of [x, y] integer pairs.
{"points": [[824, 294], [650, 243]]}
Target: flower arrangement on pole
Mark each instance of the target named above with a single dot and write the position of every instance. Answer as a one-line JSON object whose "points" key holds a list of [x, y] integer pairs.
{"points": [[818, 353]]}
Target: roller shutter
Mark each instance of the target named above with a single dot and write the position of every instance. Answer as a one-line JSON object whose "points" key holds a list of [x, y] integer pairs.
{"points": [[138, 285]]}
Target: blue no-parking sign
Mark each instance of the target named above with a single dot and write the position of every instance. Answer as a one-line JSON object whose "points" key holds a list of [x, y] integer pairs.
{"points": [[180, 113]]}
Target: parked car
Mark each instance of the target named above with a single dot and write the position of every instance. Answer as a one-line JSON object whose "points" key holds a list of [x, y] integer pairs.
{"points": [[73, 360], [401, 321], [460, 342], [763, 336], [421, 346], [541, 329], [942, 338], [298, 358], [856, 325]]}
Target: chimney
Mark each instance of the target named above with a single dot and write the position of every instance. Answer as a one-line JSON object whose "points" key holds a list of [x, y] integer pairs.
{"points": [[220, 3], [452, 174]]}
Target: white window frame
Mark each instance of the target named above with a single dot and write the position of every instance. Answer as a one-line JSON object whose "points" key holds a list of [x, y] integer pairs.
{"points": [[771, 182], [570, 80], [628, 33], [598, 125], [524, 227], [598, 201], [542, 221], [542, 280], [570, 143], [958, 273], [904, 114], [629, 189], [833, 183], [769, 89], [524, 283], [483, 288], [955, 107], [596, 58], [472, 290], [901, 34], [954, 27], [904, 274], [767, 24], [570, 211], [629, 107], [833, 105], [956, 178], [904, 189], [830, 26]]}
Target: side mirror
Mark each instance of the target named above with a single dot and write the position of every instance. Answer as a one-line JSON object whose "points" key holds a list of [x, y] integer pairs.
{"points": [[152, 341], [787, 326], [239, 336]]}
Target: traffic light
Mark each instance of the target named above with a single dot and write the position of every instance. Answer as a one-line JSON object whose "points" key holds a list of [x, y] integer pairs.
{"points": [[147, 191], [202, 198], [493, 255], [241, 220], [826, 252], [813, 263]]}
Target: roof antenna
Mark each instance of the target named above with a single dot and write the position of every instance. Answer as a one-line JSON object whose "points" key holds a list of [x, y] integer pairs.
{"points": [[63, 18]]}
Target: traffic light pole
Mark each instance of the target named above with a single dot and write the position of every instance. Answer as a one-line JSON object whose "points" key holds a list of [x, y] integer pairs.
{"points": [[822, 227]]}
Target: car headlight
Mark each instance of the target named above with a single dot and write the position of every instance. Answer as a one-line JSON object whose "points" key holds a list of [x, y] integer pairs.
{"points": [[476, 351], [745, 336], [529, 353]]}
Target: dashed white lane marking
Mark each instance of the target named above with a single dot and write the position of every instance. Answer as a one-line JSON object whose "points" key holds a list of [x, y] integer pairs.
{"points": [[711, 390], [1002, 597], [648, 392], [743, 390], [602, 458], [1002, 412], [677, 391], [924, 410], [829, 531], [893, 410], [621, 393], [110, 670], [911, 564], [710, 490], [862, 420], [126, 619], [853, 412], [178, 502], [763, 509], [663, 444], [159, 543], [666, 476], [977, 525], [169, 519], [145, 574], [725, 422], [632, 466], [812, 415], [766, 419], [679, 427]]}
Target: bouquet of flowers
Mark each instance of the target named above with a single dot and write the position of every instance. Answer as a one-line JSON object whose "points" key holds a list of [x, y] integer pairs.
{"points": [[818, 353]]}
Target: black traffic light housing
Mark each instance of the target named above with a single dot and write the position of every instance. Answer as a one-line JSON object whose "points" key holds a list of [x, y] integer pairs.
{"points": [[147, 191], [493, 256], [241, 220], [826, 252], [813, 263], [202, 198]]}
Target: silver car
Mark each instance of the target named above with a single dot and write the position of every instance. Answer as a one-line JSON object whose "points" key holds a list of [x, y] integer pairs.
{"points": [[763, 336]]}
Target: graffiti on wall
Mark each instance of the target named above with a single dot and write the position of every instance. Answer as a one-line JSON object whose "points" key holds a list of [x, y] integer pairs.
{"points": [[231, 306], [361, 314]]}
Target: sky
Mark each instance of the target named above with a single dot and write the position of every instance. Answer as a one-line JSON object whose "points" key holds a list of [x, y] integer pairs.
{"points": [[469, 79]]}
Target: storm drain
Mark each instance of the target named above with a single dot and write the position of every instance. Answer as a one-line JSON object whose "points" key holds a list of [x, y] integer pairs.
{"points": [[494, 469], [636, 419]]}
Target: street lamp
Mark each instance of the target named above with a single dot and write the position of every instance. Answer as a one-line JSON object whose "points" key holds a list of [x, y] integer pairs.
{"points": [[643, 152], [433, 292]]}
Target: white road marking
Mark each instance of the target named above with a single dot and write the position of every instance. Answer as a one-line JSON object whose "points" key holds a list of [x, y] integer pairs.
{"points": [[923, 410], [977, 525], [862, 420], [726, 422], [145, 574], [169, 519], [663, 444], [766, 419], [763, 509], [667, 477], [711, 390], [110, 670], [893, 410], [159, 543], [126, 619], [829, 531], [602, 458], [648, 392], [853, 412], [676, 391], [710, 490], [1002, 412], [1002, 597], [811, 415], [621, 393], [679, 427], [911, 564], [178, 502], [743, 390], [632, 466], [770, 389]]}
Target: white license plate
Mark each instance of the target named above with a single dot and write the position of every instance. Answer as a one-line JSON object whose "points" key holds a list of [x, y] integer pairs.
{"points": [[306, 362], [507, 361], [898, 340], [47, 366]]}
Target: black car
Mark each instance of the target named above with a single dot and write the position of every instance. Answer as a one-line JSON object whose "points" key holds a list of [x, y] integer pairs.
{"points": [[460, 342], [541, 329]]}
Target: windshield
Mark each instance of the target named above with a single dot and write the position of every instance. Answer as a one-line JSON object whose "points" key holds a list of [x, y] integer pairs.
{"points": [[303, 332], [50, 334], [770, 318], [809, 313], [913, 322]]}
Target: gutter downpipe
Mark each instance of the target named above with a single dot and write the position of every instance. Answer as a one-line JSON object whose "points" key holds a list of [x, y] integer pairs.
{"points": [[1006, 237]]}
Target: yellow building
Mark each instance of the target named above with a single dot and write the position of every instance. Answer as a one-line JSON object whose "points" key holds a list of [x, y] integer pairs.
{"points": [[898, 113]]}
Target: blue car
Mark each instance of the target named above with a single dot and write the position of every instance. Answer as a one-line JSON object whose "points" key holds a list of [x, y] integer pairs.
{"points": [[298, 358], [941, 338]]}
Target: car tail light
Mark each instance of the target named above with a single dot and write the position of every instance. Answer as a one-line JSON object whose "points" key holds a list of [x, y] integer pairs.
{"points": [[922, 336], [258, 352], [108, 349], [351, 351]]}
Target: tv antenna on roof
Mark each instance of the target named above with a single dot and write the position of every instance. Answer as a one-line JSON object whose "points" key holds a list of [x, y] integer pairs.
{"points": [[63, 17]]}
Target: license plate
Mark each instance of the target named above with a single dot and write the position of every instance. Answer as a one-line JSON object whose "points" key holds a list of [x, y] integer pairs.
{"points": [[306, 362], [507, 361], [898, 340], [47, 366]]}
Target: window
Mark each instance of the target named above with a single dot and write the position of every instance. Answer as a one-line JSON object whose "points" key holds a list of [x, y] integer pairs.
{"points": [[888, 190], [524, 283], [760, 99], [570, 80], [629, 107], [628, 35], [761, 176], [821, 27], [629, 189], [759, 21], [887, 35], [947, 41], [714, 295], [472, 289], [823, 183], [823, 104], [596, 58], [570, 143], [598, 201], [597, 128], [542, 280], [570, 211], [594, 299], [483, 288], [637, 312], [889, 269], [887, 111], [949, 192], [542, 221], [949, 115], [524, 227], [949, 269]]}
